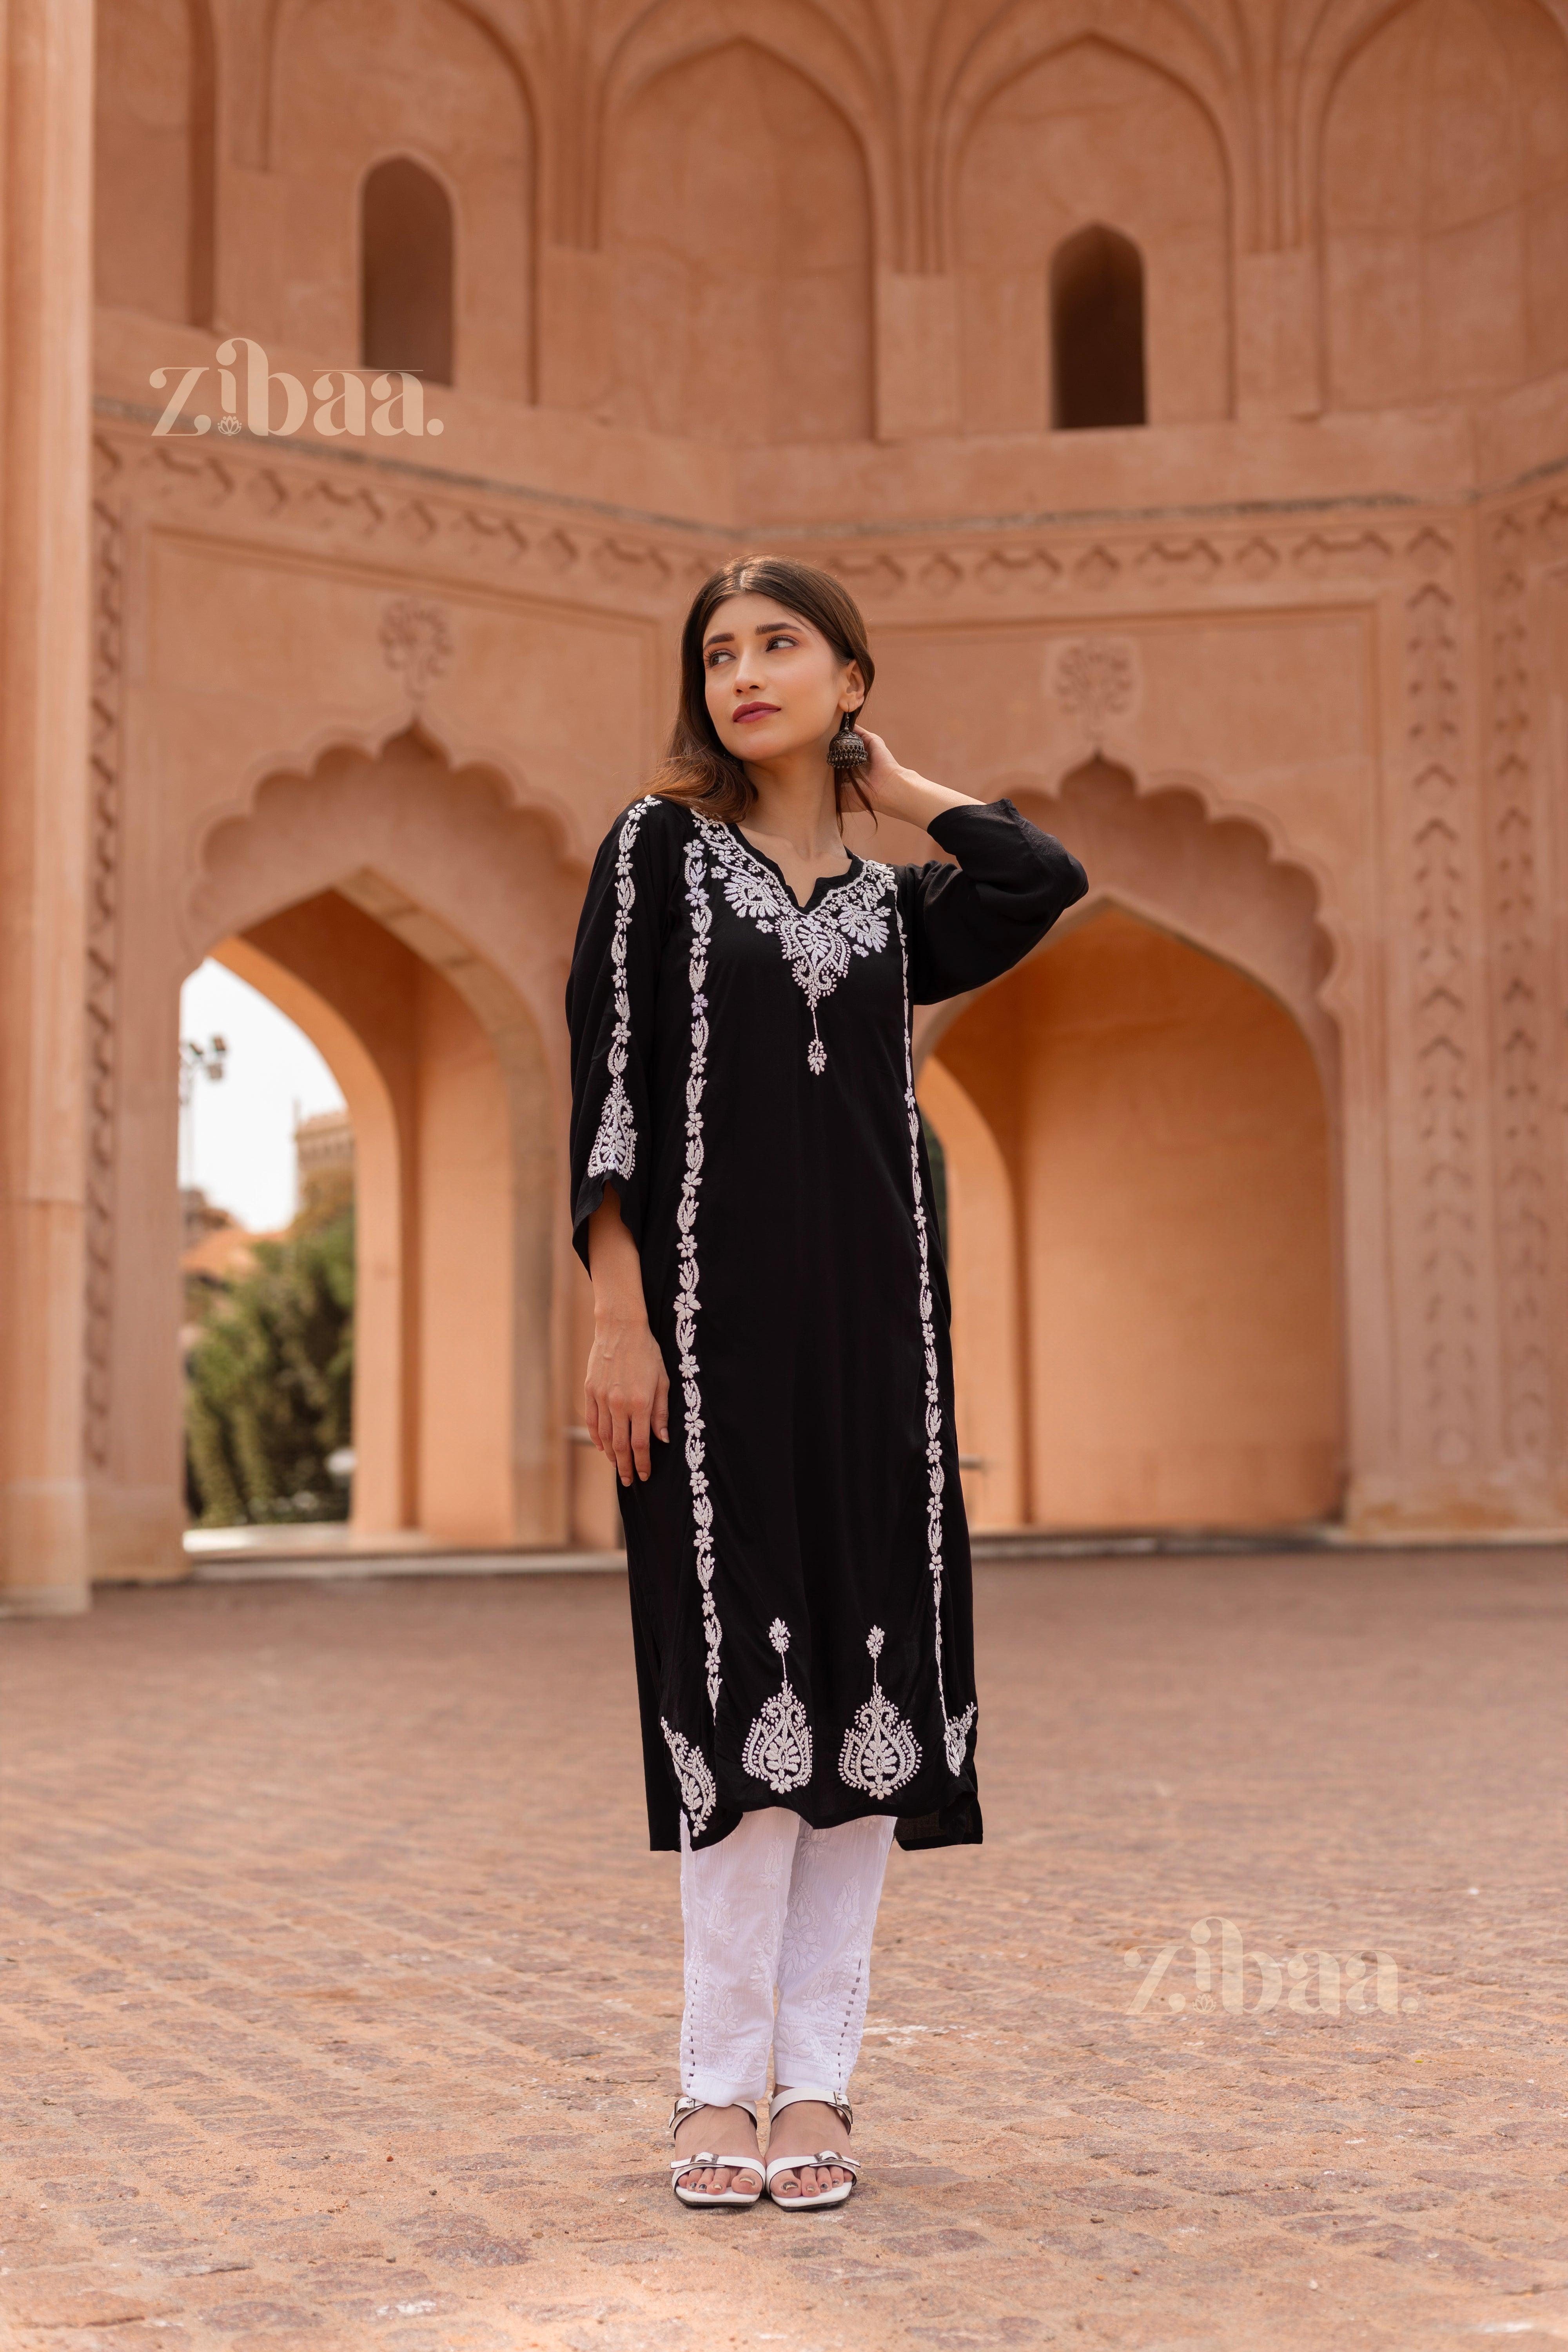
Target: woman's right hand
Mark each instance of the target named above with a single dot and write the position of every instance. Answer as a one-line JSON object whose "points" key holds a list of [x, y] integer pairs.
{"points": [[626, 1394], [626, 1397]]}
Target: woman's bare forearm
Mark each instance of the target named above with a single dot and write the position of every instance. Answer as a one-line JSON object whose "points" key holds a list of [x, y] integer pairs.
{"points": [[615, 1265]]}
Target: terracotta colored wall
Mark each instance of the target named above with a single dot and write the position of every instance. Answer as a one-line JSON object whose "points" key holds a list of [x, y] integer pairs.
{"points": [[1174, 1170]]}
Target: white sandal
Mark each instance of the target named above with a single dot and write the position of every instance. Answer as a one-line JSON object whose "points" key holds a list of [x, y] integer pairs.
{"points": [[830, 2196], [705, 2161]]}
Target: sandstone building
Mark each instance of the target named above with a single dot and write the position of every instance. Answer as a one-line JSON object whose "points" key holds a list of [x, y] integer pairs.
{"points": [[1181, 386]]}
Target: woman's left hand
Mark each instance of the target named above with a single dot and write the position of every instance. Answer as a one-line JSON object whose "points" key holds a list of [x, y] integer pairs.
{"points": [[898, 792]]}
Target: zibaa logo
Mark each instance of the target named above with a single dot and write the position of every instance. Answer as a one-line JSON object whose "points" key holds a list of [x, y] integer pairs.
{"points": [[343, 406]]}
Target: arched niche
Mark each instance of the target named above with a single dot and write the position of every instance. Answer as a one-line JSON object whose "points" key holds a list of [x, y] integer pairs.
{"points": [[433, 919], [154, 151], [1085, 134], [736, 225], [1098, 376], [408, 264], [1443, 181]]}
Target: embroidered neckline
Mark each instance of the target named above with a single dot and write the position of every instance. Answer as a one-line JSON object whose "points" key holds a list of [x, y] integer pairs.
{"points": [[833, 881], [818, 939]]}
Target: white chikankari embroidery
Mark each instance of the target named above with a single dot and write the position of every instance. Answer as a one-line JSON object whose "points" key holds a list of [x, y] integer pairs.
{"points": [[818, 942], [955, 1729], [686, 1298], [881, 1752], [697, 1794], [778, 1745], [615, 1145]]}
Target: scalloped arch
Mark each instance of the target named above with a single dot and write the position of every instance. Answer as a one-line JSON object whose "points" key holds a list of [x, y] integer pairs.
{"points": [[447, 847], [372, 742], [1176, 856]]}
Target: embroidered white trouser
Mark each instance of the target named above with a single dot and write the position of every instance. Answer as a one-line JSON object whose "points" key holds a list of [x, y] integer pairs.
{"points": [[778, 1906]]}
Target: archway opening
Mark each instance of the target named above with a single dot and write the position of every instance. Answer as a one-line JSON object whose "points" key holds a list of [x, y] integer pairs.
{"points": [[1097, 373], [266, 1263], [1164, 1125], [437, 1400], [405, 271]]}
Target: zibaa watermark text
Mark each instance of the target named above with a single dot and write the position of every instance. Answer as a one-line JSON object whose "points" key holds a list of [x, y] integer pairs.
{"points": [[1313, 1984], [394, 403]]}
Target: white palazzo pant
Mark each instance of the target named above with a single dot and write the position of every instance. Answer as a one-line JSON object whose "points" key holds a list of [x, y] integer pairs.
{"points": [[778, 1906]]}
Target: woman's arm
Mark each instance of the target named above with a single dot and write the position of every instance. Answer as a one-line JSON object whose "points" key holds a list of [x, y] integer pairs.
{"points": [[898, 792], [626, 1394], [968, 923]]}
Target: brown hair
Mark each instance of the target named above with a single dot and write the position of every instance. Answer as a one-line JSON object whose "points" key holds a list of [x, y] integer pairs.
{"points": [[697, 769]]}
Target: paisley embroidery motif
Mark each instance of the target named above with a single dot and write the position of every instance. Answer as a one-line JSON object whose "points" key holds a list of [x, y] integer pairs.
{"points": [[697, 1794], [778, 1745], [818, 942], [956, 1729], [686, 1297], [614, 1148], [881, 1752]]}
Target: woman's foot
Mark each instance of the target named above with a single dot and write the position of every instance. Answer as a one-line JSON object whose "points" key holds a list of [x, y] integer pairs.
{"points": [[804, 2128], [720, 2131]]}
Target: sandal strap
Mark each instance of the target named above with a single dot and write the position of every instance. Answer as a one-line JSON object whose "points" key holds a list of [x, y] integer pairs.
{"points": [[841, 2107], [705, 2161], [687, 2106]]}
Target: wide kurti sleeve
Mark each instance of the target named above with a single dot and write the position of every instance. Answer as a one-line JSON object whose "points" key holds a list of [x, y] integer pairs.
{"points": [[611, 997], [968, 923]]}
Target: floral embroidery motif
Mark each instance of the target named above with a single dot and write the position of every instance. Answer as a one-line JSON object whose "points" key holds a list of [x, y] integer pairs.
{"points": [[956, 1729], [818, 942], [615, 1145], [686, 1297], [881, 1752], [697, 1794], [778, 1745]]}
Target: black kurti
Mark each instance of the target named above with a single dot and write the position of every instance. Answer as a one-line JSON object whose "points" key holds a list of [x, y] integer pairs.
{"points": [[743, 1077]]}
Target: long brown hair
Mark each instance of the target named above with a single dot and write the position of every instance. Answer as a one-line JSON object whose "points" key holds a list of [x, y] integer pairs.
{"points": [[697, 769]]}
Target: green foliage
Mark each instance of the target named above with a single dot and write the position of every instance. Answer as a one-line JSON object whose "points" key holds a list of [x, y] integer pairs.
{"points": [[271, 1382]]}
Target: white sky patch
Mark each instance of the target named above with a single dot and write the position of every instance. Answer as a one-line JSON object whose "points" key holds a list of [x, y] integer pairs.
{"points": [[237, 1139]]}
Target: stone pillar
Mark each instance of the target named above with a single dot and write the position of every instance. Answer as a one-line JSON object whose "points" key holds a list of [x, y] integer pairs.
{"points": [[46, 359]]}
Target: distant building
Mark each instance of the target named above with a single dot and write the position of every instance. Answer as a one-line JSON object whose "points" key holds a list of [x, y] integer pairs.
{"points": [[323, 1144]]}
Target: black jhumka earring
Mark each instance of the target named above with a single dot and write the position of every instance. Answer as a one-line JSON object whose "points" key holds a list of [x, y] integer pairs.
{"points": [[849, 749]]}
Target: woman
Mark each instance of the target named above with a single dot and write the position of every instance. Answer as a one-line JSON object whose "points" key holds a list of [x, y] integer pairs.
{"points": [[771, 1371]]}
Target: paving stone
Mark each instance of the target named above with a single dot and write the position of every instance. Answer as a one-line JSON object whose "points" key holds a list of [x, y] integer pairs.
{"points": [[340, 1991]]}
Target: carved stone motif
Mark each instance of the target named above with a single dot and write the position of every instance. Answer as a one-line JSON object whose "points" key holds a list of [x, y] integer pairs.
{"points": [[416, 639], [1523, 1175], [102, 953], [1095, 679], [1441, 1013]]}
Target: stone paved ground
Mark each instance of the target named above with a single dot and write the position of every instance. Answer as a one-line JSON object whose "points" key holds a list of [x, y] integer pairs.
{"points": [[339, 1992]]}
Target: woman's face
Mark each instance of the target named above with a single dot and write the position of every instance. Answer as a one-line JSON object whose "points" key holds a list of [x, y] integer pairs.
{"points": [[774, 684]]}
